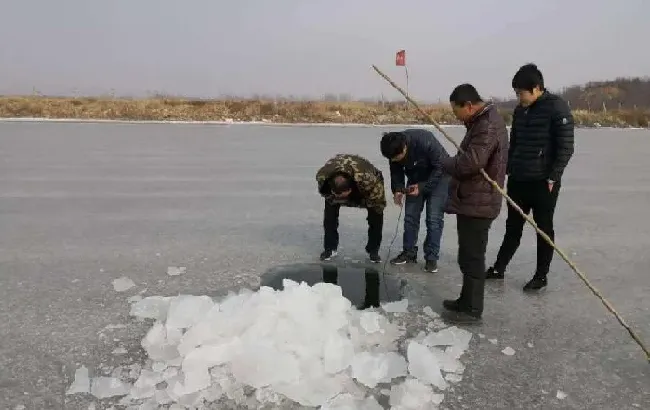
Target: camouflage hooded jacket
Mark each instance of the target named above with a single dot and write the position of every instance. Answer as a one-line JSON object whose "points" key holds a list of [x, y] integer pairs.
{"points": [[369, 179]]}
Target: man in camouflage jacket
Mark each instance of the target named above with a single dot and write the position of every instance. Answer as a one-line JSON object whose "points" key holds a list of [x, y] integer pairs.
{"points": [[352, 181]]}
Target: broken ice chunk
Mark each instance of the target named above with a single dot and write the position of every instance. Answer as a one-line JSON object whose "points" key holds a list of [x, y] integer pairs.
{"points": [[175, 271], [145, 386], [135, 298], [561, 395], [439, 323], [448, 360], [158, 366], [400, 306], [119, 351], [187, 310], [81, 383], [152, 307], [530, 345], [347, 401], [370, 322], [105, 387], [451, 336], [337, 353], [157, 345], [371, 369], [453, 377], [508, 351], [122, 284], [423, 365], [412, 394], [429, 312], [493, 341]]}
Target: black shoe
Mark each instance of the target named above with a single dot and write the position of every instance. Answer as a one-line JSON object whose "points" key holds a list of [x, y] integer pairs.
{"points": [[492, 273], [328, 254], [451, 305], [431, 266], [468, 317], [536, 283], [404, 257], [374, 257]]}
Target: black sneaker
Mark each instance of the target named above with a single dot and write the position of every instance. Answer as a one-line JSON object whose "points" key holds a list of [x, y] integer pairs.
{"points": [[404, 257], [461, 317], [492, 273], [536, 283], [328, 255], [431, 266], [374, 257]]}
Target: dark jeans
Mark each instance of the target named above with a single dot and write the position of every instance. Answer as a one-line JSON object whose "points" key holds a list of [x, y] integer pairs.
{"points": [[529, 196], [435, 202], [472, 245], [331, 224]]}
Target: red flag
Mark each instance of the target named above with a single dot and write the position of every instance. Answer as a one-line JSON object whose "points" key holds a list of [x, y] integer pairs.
{"points": [[400, 58]]}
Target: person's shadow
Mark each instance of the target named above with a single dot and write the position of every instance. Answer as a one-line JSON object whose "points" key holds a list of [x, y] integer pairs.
{"points": [[371, 299]]}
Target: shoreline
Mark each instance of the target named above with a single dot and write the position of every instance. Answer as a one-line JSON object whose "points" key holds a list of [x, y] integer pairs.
{"points": [[162, 110], [262, 123]]}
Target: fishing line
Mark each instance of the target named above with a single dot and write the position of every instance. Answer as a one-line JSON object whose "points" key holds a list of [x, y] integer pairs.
{"points": [[390, 246]]}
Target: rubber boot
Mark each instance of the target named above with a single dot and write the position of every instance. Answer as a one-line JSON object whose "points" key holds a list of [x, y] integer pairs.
{"points": [[455, 305], [469, 308]]}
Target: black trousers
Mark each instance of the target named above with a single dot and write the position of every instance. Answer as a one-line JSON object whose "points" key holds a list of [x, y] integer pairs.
{"points": [[331, 224], [472, 244], [530, 196]]}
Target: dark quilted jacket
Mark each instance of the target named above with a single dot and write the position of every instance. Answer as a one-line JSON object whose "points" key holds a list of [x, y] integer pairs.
{"points": [[541, 140], [485, 146]]}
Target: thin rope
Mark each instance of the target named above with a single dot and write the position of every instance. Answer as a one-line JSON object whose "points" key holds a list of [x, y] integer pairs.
{"points": [[528, 219], [390, 246]]}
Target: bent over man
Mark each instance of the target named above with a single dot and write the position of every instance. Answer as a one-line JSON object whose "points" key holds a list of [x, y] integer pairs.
{"points": [[417, 155], [351, 181]]}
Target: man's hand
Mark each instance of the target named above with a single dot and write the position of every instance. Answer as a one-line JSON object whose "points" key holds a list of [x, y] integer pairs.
{"points": [[550, 185], [414, 190], [398, 198]]}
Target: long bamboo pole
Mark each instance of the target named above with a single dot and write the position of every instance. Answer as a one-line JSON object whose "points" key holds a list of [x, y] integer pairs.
{"points": [[528, 219]]}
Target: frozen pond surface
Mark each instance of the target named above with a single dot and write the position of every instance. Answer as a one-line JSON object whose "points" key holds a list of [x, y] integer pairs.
{"points": [[84, 204]]}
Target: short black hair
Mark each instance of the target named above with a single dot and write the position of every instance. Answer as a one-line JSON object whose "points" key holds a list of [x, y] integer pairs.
{"points": [[340, 182], [527, 78], [463, 94], [392, 144]]}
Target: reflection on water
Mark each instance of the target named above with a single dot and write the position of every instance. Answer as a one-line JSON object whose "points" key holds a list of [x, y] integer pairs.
{"points": [[364, 287]]}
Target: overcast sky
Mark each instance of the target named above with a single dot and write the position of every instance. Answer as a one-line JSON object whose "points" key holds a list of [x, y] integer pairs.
{"points": [[210, 47]]}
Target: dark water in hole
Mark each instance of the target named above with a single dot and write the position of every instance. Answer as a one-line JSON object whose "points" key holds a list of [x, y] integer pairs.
{"points": [[365, 287]]}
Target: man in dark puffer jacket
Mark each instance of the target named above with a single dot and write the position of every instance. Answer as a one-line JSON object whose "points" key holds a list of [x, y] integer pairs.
{"points": [[541, 145]]}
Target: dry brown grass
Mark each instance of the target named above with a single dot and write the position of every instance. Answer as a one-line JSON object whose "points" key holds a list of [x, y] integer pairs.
{"points": [[260, 110]]}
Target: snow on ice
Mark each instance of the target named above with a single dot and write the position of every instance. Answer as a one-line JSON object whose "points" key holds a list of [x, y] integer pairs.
{"points": [[175, 271], [508, 351], [123, 284], [303, 344]]}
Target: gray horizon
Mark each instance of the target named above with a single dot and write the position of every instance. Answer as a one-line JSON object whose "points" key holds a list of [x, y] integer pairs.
{"points": [[209, 49]]}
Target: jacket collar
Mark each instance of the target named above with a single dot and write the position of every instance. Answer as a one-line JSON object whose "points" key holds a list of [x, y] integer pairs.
{"points": [[487, 107]]}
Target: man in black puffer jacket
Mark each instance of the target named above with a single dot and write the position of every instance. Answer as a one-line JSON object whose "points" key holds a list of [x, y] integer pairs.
{"points": [[417, 155], [541, 145]]}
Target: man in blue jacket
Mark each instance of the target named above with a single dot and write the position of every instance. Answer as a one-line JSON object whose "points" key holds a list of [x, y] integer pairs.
{"points": [[417, 155]]}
